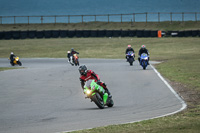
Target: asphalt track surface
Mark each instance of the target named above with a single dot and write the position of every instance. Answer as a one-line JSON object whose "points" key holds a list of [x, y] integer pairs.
{"points": [[46, 96]]}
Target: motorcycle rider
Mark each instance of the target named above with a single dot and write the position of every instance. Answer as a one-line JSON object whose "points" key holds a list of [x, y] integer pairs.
{"points": [[128, 50], [89, 74], [73, 52], [12, 57], [141, 51]]}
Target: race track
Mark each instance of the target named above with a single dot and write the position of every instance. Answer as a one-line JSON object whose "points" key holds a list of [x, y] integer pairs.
{"points": [[46, 96]]}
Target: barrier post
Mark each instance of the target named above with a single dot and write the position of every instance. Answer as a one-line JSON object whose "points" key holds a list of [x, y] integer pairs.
{"points": [[95, 18], [82, 18], [146, 17], [28, 20], [1, 19], [182, 17], [14, 19], [133, 17], [55, 19], [159, 17], [196, 16], [69, 19], [108, 18], [41, 19], [171, 17], [121, 18]]}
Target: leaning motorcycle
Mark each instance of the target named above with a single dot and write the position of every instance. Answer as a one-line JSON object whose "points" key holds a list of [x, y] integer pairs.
{"points": [[144, 60], [74, 60], [16, 61], [130, 57], [97, 95]]}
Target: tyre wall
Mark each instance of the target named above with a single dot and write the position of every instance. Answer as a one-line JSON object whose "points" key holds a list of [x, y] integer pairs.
{"points": [[94, 33]]}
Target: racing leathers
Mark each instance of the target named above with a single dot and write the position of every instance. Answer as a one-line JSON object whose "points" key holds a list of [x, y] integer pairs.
{"points": [[92, 75]]}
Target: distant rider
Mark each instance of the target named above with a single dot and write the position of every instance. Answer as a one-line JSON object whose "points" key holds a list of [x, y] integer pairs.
{"points": [[72, 53], [128, 50], [141, 51], [12, 57], [89, 74]]}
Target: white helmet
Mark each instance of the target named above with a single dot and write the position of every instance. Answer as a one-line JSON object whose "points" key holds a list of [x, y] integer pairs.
{"points": [[11, 53]]}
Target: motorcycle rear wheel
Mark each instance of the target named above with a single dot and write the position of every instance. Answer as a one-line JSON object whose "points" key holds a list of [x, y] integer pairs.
{"points": [[110, 102]]}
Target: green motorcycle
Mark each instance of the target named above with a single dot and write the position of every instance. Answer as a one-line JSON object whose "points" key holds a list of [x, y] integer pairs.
{"points": [[97, 94]]}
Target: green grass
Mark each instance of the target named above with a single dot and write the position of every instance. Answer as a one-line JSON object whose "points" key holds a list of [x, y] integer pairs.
{"points": [[181, 64], [9, 68], [165, 26]]}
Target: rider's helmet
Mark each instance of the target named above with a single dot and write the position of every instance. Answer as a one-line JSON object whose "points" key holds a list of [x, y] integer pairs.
{"points": [[83, 70], [129, 46], [68, 52], [11, 53], [72, 49], [143, 46]]}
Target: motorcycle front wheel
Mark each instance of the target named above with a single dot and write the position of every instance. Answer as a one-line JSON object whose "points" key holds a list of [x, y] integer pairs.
{"points": [[98, 100], [19, 63]]}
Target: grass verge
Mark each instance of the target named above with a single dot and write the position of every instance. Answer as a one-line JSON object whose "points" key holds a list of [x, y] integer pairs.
{"points": [[9, 68], [165, 26], [181, 67]]}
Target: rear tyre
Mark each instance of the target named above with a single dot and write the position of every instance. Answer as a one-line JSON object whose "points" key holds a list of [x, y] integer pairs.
{"points": [[110, 102], [98, 100]]}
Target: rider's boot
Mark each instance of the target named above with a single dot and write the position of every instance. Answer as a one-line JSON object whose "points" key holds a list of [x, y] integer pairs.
{"points": [[107, 91]]}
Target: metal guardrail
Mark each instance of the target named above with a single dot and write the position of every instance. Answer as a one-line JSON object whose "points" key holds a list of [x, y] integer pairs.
{"points": [[132, 17]]}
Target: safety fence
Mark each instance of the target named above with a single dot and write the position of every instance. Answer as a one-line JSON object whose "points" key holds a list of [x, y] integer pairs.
{"points": [[132, 17], [94, 33]]}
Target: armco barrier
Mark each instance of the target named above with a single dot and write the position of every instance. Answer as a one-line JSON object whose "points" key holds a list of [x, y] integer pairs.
{"points": [[47, 34], [31, 34], [55, 33], [63, 33], [16, 34], [199, 33], [39, 34], [23, 34]]}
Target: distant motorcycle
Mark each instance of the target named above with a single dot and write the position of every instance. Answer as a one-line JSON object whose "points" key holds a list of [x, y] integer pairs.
{"points": [[144, 60], [16, 61], [130, 57], [97, 94], [74, 60]]}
